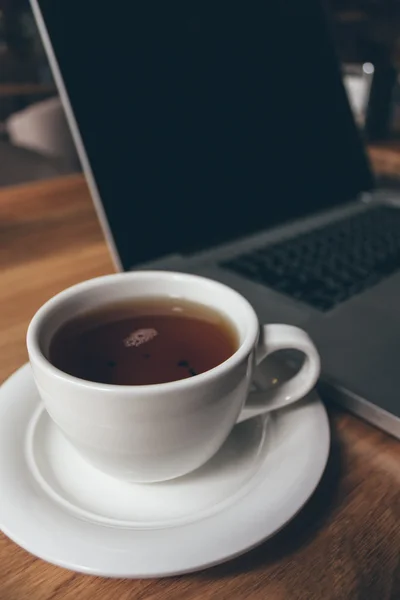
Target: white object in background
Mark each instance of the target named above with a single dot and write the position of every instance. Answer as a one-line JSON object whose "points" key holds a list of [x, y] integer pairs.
{"points": [[55, 505], [357, 81], [44, 128]]}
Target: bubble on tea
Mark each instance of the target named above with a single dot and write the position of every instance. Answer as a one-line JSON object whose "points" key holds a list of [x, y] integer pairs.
{"points": [[139, 337]]}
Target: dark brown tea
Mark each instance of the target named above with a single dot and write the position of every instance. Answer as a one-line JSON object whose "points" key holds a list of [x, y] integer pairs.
{"points": [[146, 341]]}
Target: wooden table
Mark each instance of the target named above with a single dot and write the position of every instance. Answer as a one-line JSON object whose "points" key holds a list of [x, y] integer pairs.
{"points": [[385, 158], [344, 545], [26, 89]]}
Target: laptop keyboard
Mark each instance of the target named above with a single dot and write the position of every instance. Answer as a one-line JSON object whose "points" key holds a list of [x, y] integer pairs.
{"points": [[331, 264]]}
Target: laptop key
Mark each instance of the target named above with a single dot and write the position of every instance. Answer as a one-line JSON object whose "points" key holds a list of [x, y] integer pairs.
{"points": [[328, 266]]}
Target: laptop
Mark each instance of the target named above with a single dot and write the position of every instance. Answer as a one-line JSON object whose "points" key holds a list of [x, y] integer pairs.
{"points": [[217, 139]]}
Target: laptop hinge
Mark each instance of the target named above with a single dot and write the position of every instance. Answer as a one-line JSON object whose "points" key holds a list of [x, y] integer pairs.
{"points": [[170, 262], [366, 197]]}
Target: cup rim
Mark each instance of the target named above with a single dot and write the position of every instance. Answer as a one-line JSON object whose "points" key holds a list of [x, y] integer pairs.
{"points": [[36, 355]]}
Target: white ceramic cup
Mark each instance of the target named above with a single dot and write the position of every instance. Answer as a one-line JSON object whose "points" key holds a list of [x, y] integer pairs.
{"points": [[151, 433]]}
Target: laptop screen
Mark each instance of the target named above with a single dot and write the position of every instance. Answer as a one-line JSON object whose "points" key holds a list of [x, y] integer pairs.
{"points": [[204, 121]]}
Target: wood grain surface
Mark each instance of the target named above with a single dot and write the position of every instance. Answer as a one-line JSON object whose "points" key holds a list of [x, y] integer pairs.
{"points": [[26, 89], [385, 158], [345, 543]]}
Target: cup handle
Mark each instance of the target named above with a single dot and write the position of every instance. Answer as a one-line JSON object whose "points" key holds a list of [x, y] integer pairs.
{"points": [[283, 337]]}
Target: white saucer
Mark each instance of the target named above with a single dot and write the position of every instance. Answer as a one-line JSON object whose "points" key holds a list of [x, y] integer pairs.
{"points": [[61, 509]]}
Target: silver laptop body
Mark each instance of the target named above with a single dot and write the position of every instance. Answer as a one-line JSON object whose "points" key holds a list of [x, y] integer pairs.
{"points": [[359, 339]]}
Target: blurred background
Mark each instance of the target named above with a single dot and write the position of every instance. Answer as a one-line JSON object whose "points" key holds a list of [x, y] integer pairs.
{"points": [[35, 142]]}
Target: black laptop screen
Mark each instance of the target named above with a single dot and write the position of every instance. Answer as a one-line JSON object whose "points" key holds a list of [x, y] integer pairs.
{"points": [[206, 120]]}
